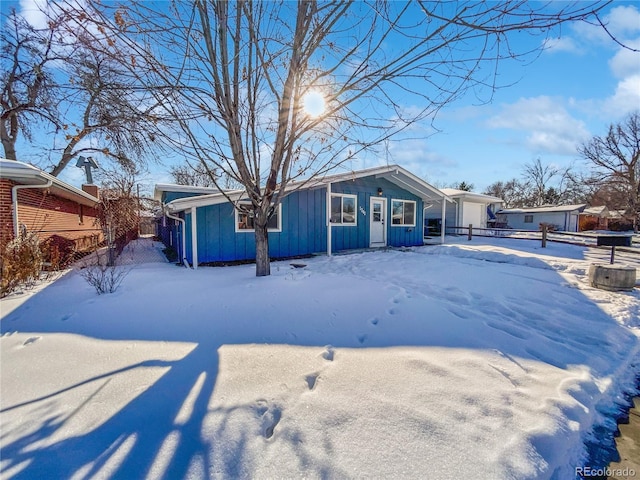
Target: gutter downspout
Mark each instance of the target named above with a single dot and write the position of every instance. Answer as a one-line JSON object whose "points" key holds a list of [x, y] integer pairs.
{"points": [[184, 246], [14, 201], [329, 219], [194, 238], [444, 220]]}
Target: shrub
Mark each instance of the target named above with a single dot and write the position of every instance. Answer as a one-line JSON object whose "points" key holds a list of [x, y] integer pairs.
{"points": [[20, 263], [104, 278]]}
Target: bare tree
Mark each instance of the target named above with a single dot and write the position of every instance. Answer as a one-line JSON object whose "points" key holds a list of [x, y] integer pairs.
{"points": [[29, 90], [615, 159], [513, 192], [74, 78], [241, 72], [546, 183], [192, 175], [107, 111]]}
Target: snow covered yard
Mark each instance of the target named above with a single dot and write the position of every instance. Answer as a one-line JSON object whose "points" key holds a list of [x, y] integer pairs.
{"points": [[487, 359]]}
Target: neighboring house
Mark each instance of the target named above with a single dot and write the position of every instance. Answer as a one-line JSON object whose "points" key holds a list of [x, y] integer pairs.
{"points": [[168, 228], [594, 218], [377, 207], [60, 214], [563, 218], [468, 208]]}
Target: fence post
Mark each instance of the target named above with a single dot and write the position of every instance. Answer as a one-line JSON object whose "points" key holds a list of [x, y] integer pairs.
{"points": [[544, 236], [470, 231]]}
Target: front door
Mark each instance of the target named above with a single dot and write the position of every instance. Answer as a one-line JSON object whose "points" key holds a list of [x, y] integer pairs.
{"points": [[377, 227]]}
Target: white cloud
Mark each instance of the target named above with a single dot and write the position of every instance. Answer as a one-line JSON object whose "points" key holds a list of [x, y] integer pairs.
{"points": [[623, 21], [625, 99], [34, 12], [562, 44], [626, 62], [547, 125]]}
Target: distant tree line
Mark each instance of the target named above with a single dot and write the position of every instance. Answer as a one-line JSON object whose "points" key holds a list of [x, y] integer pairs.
{"points": [[609, 175]]}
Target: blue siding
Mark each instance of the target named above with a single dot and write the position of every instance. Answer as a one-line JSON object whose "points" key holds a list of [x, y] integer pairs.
{"points": [[303, 223], [303, 213], [350, 237]]}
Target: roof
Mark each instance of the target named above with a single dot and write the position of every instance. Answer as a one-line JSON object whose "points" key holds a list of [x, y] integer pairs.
{"points": [[25, 174], [545, 209], [471, 196], [393, 173], [601, 211], [172, 187]]}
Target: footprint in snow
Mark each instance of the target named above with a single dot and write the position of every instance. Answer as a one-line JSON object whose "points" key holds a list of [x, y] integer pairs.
{"points": [[328, 353], [312, 380], [270, 420], [30, 340], [361, 339], [66, 317], [374, 321]]}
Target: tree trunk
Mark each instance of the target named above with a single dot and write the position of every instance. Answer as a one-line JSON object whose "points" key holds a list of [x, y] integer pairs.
{"points": [[9, 138], [263, 266]]}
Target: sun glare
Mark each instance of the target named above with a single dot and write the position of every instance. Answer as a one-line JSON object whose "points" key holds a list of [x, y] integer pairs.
{"points": [[313, 103]]}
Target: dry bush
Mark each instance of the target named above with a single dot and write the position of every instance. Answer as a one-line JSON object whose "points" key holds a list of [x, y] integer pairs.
{"points": [[20, 263], [103, 277]]}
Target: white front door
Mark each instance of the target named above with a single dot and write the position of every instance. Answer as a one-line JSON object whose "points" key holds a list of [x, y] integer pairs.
{"points": [[377, 227]]}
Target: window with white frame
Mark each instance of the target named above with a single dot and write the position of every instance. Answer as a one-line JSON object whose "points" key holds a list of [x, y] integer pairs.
{"points": [[244, 219], [344, 209], [403, 213]]}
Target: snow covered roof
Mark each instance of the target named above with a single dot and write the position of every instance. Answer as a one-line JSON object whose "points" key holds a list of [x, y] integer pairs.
{"points": [[25, 174], [470, 196], [545, 209], [393, 173], [601, 211]]}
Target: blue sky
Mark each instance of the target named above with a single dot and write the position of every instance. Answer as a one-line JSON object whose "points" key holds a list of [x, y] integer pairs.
{"points": [[572, 92], [578, 86]]}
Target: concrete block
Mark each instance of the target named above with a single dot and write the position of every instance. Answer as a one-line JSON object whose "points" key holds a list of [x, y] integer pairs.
{"points": [[612, 277]]}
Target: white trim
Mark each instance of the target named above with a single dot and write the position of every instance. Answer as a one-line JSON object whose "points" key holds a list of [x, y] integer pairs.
{"points": [[194, 237], [355, 210], [415, 213], [184, 231], [384, 218], [160, 188], [328, 209], [249, 230], [393, 173], [26, 174], [443, 222]]}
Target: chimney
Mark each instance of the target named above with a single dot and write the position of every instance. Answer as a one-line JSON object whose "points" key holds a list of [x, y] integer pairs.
{"points": [[91, 189]]}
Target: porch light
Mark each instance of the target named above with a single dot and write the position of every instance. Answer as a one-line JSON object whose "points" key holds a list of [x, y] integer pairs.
{"points": [[379, 191]]}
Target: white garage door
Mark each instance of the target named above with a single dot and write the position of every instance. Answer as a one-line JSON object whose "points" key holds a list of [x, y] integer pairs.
{"points": [[472, 214]]}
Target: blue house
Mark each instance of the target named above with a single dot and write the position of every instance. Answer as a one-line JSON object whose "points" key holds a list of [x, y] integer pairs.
{"points": [[376, 207]]}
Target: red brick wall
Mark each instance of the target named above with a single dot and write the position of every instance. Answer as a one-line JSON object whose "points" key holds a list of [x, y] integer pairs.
{"points": [[6, 211], [67, 223]]}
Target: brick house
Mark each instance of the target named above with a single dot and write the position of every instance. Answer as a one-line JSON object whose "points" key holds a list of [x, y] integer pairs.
{"points": [[63, 216]]}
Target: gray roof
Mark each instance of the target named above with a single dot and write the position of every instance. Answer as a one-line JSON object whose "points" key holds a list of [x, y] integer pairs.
{"points": [[545, 209], [470, 196]]}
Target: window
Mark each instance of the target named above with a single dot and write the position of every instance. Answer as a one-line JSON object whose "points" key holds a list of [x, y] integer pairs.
{"points": [[528, 219], [244, 221], [403, 212], [343, 209]]}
